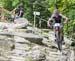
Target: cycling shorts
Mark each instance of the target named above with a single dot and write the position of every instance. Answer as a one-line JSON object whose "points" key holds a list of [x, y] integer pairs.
{"points": [[58, 24]]}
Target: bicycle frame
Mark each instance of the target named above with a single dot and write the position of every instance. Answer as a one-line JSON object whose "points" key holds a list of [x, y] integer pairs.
{"points": [[58, 37]]}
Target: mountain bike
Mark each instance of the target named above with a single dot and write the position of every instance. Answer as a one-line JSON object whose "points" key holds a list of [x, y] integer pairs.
{"points": [[58, 36]]}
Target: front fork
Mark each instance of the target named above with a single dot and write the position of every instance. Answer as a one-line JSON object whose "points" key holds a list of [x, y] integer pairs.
{"points": [[60, 33]]}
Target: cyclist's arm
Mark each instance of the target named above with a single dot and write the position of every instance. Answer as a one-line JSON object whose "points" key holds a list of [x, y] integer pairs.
{"points": [[48, 22], [65, 18], [50, 19]]}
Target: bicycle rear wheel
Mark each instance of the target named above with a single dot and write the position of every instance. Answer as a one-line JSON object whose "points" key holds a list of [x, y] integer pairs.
{"points": [[58, 40]]}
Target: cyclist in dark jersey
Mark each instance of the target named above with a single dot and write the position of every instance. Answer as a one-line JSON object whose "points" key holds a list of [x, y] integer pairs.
{"points": [[57, 19], [19, 11]]}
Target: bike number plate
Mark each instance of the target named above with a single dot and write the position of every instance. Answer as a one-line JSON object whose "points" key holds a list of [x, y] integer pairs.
{"points": [[57, 24]]}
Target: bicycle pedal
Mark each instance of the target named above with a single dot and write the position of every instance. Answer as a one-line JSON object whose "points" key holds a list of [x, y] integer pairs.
{"points": [[55, 40], [63, 43]]}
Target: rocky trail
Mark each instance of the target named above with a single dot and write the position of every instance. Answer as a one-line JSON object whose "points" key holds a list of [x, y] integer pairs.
{"points": [[31, 44]]}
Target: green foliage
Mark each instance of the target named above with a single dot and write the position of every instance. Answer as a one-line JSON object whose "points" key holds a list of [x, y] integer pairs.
{"points": [[66, 7], [45, 7], [8, 4]]}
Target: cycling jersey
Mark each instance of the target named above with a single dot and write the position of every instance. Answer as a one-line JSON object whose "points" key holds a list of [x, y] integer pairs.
{"points": [[57, 19], [19, 11]]}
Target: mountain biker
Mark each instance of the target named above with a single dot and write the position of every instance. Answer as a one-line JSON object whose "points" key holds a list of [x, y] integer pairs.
{"points": [[57, 19], [19, 11]]}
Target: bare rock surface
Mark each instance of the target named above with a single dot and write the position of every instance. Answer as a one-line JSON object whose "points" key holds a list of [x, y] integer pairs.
{"points": [[31, 45]]}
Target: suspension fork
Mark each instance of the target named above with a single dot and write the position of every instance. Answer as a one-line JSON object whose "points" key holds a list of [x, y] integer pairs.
{"points": [[57, 29]]}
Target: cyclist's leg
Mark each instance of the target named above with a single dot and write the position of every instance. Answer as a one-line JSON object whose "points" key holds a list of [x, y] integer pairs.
{"points": [[54, 28], [62, 34]]}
